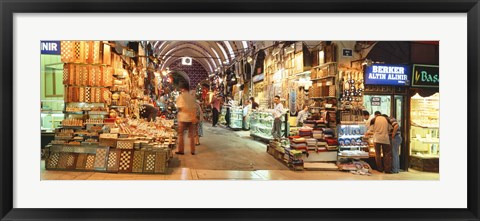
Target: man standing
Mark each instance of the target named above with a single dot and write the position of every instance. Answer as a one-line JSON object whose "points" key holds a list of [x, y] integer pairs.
{"points": [[215, 110], [254, 104], [187, 118], [396, 141], [246, 112], [380, 129], [277, 114], [229, 106]]}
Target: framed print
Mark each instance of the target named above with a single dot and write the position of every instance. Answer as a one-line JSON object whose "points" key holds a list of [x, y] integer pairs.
{"points": [[294, 110]]}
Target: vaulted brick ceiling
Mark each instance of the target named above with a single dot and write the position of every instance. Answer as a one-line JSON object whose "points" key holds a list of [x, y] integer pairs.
{"points": [[209, 54]]}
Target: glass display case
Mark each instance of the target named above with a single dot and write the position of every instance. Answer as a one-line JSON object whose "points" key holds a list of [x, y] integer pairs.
{"points": [[51, 114], [424, 130], [222, 116], [236, 117], [261, 124], [351, 142]]}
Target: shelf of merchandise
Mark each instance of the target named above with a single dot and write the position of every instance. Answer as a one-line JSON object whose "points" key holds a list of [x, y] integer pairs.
{"points": [[355, 135], [324, 65], [324, 97], [321, 78]]}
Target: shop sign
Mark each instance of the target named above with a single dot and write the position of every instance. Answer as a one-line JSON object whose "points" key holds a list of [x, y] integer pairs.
{"points": [[376, 101], [425, 75], [50, 47], [258, 77], [387, 74], [347, 52]]}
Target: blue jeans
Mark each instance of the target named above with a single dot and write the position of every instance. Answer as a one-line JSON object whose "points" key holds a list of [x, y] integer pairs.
{"points": [[397, 140]]}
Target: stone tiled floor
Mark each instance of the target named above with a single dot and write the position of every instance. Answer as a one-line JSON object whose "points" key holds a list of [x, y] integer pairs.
{"points": [[197, 174]]}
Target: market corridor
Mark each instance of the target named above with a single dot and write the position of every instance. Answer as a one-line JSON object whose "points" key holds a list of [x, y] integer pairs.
{"points": [[224, 149]]}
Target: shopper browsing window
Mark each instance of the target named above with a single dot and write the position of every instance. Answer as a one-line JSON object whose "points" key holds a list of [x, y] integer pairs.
{"points": [[302, 116], [380, 129], [187, 118], [277, 114]]}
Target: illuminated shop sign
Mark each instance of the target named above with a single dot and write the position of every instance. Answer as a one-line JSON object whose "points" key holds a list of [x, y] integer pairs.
{"points": [[387, 74], [425, 75], [50, 47]]}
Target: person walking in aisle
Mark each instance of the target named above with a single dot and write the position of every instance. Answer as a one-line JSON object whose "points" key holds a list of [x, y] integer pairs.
{"points": [[215, 110], [396, 140], [199, 124], [277, 114], [246, 113], [380, 129], [229, 106], [186, 118], [302, 116], [254, 104]]}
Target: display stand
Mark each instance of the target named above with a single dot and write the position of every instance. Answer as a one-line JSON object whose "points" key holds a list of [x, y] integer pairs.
{"points": [[261, 125]]}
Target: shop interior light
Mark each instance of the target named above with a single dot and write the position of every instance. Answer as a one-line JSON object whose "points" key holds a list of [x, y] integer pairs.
{"points": [[249, 59], [164, 73]]}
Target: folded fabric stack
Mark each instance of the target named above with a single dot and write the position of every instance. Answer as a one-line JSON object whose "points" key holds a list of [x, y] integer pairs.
{"points": [[332, 147], [308, 125], [311, 142], [299, 146], [331, 141], [317, 134], [309, 122], [321, 143], [322, 149], [328, 132], [299, 140], [293, 137], [305, 132], [294, 130], [332, 144], [295, 154]]}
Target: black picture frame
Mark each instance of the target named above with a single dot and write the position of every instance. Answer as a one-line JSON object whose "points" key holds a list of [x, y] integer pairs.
{"points": [[9, 7]]}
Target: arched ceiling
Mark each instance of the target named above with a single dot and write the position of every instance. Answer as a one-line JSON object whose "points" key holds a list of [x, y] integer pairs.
{"points": [[210, 54]]}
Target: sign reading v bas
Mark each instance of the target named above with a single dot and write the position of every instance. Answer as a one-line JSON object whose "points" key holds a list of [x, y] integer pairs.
{"points": [[388, 74], [50, 47], [425, 75]]}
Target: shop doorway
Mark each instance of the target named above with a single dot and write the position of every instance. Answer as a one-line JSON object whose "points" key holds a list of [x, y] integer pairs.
{"points": [[391, 105]]}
